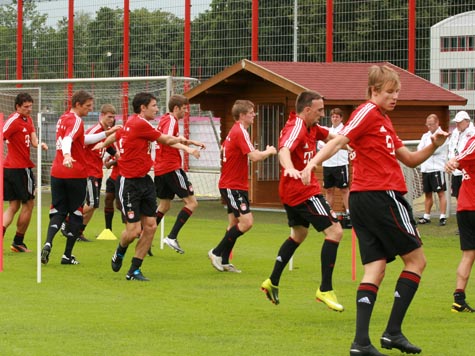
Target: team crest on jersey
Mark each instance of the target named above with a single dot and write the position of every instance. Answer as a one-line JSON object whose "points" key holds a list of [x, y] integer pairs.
{"points": [[382, 129], [130, 214]]}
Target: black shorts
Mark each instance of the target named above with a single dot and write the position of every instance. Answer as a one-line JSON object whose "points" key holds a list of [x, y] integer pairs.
{"points": [[237, 201], [110, 185], [456, 184], [466, 224], [18, 184], [335, 177], [67, 195], [171, 183], [93, 191], [434, 182], [384, 225], [137, 197], [315, 211]]}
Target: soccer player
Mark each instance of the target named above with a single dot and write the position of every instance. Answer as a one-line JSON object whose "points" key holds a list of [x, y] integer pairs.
{"points": [[381, 217], [94, 165], [111, 163], [136, 190], [305, 205], [18, 179], [236, 149], [465, 161], [170, 179], [69, 175], [433, 175]]}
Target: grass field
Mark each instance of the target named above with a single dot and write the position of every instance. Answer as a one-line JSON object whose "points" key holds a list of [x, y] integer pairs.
{"points": [[188, 308]]}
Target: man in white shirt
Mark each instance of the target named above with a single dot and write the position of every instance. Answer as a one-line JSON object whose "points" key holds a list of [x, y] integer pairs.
{"points": [[335, 169], [463, 131], [433, 174]]}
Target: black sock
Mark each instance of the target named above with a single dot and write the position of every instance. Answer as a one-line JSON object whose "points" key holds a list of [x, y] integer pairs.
{"points": [[135, 265], [459, 296], [68, 250], [18, 239], [284, 255], [406, 288], [327, 260], [55, 222], [121, 250], [181, 219], [109, 216], [231, 236], [365, 300], [159, 217], [226, 244]]}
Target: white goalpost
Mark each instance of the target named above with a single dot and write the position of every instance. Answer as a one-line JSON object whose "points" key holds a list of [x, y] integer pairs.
{"points": [[51, 98]]}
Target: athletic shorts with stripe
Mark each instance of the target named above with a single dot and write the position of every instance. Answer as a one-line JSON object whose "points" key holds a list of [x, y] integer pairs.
{"points": [[93, 191], [137, 197], [384, 225], [173, 183], [335, 177], [237, 201], [434, 182], [466, 225], [18, 184], [315, 211]]}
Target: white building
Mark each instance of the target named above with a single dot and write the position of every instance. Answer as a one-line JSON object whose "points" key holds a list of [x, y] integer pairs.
{"points": [[452, 57]]}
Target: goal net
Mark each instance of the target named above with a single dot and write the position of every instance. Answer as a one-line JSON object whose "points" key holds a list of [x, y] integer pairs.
{"points": [[55, 100]]}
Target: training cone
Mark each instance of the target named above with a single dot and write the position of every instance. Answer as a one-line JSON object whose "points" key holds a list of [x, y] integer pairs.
{"points": [[106, 234]]}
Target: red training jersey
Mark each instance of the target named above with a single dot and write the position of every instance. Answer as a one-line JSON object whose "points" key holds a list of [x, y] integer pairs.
{"points": [[302, 143], [466, 158], [94, 157], [69, 124], [135, 140], [374, 142], [167, 159], [234, 161], [17, 134]]}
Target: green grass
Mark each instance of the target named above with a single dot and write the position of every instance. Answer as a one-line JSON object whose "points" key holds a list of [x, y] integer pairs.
{"points": [[188, 308]]}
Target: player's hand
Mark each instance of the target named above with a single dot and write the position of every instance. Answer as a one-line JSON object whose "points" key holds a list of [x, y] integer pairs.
{"points": [[113, 129], [68, 161], [307, 175], [451, 165], [271, 149], [292, 173], [195, 153], [439, 137]]}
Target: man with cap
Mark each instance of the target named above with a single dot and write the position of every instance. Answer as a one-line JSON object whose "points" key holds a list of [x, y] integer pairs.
{"points": [[464, 129]]}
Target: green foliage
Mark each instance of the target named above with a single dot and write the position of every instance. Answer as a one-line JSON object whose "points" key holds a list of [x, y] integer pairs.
{"points": [[188, 308]]}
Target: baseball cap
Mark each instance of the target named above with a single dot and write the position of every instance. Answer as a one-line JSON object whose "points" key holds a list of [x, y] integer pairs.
{"points": [[461, 115]]}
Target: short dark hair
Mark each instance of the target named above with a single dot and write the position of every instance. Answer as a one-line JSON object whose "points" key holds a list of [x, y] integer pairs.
{"points": [[22, 98], [336, 111], [177, 100], [241, 107], [305, 99], [142, 99], [80, 97]]}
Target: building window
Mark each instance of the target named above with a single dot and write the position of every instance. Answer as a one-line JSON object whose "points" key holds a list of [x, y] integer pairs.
{"points": [[458, 79], [457, 43]]}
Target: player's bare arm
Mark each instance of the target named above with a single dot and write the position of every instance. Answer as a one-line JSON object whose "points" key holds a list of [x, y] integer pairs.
{"points": [[171, 140], [257, 155], [413, 159], [333, 146], [286, 162]]}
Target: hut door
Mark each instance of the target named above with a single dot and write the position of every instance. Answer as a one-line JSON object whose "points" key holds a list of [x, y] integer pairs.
{"points": [[265, 174]]}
